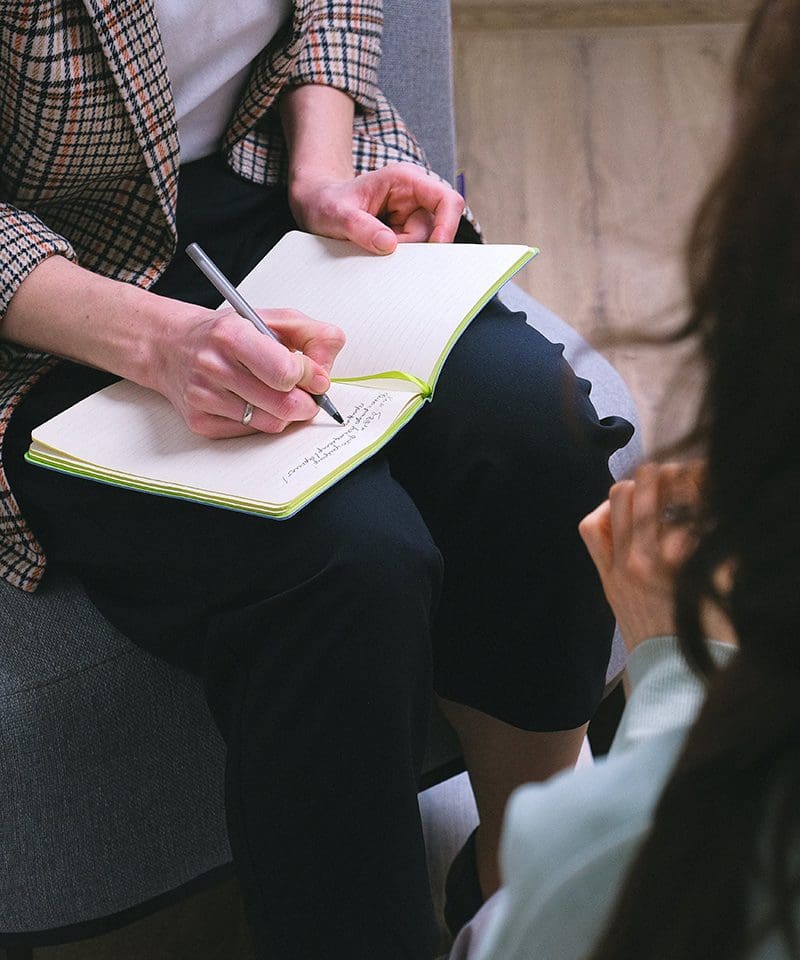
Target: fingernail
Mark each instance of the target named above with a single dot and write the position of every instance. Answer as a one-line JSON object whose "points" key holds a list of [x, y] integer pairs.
{"points": [[384, 241], [319, 383]]}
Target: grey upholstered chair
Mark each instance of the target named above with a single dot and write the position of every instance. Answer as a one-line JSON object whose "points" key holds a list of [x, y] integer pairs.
{"points": [[111, 794]]}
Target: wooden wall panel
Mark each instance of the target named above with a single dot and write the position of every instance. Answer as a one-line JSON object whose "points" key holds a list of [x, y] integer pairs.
{"points": [[516, 14], [595, 145]]}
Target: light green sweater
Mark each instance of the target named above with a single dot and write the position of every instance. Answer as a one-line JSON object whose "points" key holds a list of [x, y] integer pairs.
{"points": [[567, 843]]}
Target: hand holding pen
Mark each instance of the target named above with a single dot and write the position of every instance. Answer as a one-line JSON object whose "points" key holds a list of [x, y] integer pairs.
{"points": [[252, 415]]}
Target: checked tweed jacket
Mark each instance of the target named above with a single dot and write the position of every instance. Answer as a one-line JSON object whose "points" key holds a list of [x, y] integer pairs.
{"points": [[89, 152]]}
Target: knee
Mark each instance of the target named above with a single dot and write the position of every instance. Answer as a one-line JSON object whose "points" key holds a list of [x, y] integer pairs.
{"points": [[355, 629], [546, 444], [391, 564], [523, 404]]}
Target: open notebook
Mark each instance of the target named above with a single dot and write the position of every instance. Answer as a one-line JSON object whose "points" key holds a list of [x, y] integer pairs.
{"points": [[401, 314]]}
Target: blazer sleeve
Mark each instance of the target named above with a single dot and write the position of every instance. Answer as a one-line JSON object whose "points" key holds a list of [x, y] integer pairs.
{"points": [[343, 49], [25, 241]]}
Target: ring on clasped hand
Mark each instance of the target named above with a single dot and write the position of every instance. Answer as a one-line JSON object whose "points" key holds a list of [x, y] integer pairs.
{"points": [[247, 416]]}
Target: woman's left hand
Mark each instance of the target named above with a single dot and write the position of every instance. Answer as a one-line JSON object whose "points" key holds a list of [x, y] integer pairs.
{"points": [[638, 538], [397, 203]]}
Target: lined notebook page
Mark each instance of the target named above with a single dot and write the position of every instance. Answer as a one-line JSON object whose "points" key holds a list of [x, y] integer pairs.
{"points": [[137, 433], [398, 312]]}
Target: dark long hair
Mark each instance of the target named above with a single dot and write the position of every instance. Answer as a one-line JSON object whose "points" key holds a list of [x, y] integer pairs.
{"points": [[726, 832]]}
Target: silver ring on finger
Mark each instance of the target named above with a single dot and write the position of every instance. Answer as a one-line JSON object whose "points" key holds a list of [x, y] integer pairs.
{"points": [[247, 416]]}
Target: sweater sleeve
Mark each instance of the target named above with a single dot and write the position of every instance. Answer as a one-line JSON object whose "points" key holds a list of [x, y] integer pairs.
{"points": [[568, 842], [343, 49], [664, 694]]}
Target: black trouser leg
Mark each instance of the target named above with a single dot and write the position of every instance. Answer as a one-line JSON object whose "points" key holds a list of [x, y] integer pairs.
{"points": [[323, 694], [503, 464], [313, 638]]}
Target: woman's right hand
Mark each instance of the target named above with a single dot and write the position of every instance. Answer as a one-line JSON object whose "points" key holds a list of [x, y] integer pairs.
{"points": [[208, 363], [212, 363]]}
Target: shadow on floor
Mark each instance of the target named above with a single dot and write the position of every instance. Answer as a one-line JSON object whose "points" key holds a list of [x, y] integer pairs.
{"points": [[207, 926]]}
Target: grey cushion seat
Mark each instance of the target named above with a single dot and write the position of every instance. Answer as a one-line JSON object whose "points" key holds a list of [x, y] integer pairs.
{"points": [[110, 766], [115, 787]]}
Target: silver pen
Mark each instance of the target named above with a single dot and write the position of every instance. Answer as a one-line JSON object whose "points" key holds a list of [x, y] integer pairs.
{"points": [[243, 308]]}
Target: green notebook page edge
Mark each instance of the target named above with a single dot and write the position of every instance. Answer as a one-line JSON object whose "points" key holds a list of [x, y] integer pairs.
{"points": [[274, 511], [427, 389]]}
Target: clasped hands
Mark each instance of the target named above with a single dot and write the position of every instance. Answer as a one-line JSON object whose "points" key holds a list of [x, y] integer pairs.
{"points": [[638, 539], [218, 363]]}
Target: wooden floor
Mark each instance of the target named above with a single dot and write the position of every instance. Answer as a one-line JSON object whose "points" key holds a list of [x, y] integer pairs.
{"points": [[594, 144]]}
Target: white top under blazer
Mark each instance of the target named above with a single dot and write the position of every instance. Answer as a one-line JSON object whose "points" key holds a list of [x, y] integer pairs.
{"points": [[209, 46]]}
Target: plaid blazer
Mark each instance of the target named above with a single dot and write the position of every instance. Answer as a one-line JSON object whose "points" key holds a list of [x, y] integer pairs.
{"points": [[89, 153]]}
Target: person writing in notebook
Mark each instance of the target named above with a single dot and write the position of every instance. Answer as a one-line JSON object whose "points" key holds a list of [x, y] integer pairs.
{"points": [[129, 134]]}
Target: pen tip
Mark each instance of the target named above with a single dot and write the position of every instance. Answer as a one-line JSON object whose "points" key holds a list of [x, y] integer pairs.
{"points": [[324, 401]]}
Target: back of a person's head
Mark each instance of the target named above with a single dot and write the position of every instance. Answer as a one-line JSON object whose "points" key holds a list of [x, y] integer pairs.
{"points": [[744, 267], [726, 831]]}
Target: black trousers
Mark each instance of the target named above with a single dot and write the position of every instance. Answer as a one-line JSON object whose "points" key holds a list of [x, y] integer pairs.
{"points": [[449, 561]]}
